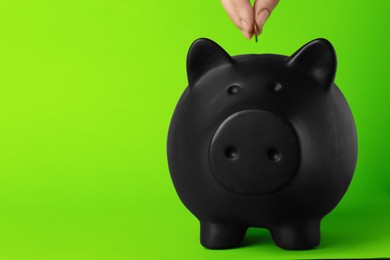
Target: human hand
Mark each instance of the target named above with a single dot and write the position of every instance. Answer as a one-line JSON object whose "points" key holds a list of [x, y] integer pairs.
{"points": [[244, 16]]}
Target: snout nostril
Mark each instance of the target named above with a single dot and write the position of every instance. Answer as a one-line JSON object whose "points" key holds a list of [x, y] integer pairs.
{"points": [[231, 152], [274, 155]]}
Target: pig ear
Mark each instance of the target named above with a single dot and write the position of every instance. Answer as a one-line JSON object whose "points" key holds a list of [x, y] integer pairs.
{"points": [[204, 55], [318, 59]]}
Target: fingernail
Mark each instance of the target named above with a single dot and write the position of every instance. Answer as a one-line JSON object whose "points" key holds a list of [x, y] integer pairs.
{"points": [[262, 18]]}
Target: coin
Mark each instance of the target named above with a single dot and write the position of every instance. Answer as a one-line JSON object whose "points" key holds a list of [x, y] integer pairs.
{"points": [[256, 32]]}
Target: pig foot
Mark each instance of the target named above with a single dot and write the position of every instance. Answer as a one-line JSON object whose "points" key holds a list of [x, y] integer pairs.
{"points": [[220, 236], [298, 235]]}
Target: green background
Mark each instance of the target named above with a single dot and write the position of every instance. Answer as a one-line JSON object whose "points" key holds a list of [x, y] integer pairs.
{"points": [[87, 89]]}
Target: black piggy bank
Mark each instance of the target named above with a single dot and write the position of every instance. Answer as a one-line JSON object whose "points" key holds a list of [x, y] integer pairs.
{"points": [[263, 141]]}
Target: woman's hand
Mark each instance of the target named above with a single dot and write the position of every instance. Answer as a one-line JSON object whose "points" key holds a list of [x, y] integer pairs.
{"points": [[244, 16]]}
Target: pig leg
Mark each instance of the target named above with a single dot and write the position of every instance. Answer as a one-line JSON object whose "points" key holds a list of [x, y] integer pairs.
{"points": [[219, 236], [297, 235]]}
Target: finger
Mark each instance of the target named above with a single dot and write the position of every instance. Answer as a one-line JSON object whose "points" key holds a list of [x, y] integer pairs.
{"points": [[263, 9], [232, 13], [246, 15], [229, 8]]}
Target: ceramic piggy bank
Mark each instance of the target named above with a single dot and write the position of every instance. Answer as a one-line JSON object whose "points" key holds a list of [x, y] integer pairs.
{"points": [[264, 141]]}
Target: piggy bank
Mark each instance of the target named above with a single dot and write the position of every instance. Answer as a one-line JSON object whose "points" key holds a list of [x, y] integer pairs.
{"points": [[263, 141]]}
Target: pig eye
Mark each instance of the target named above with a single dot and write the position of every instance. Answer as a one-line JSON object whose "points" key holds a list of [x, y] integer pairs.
{"points": [[233, 90]]}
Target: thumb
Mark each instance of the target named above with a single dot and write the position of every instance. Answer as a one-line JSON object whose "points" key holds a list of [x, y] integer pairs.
{"points": [[263, 9]]}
